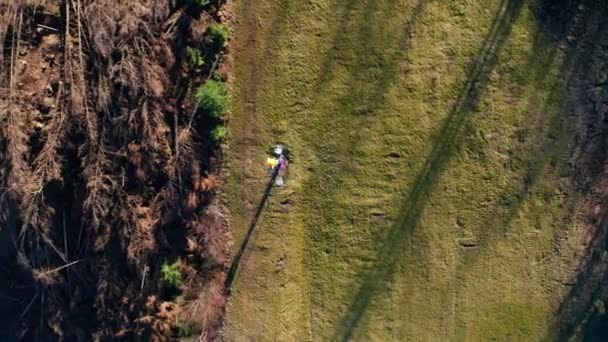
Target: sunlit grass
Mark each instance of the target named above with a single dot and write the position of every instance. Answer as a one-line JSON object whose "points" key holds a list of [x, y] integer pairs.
{"points": [[415, 216]]}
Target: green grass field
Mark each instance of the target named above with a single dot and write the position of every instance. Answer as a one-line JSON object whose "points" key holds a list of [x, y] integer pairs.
{"points": [[429, 197]]}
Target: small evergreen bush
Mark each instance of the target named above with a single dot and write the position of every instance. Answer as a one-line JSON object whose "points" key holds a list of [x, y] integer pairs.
{"points": [[213, 97], [219, 32], [219, 133], [171, 274], [196, 57]]}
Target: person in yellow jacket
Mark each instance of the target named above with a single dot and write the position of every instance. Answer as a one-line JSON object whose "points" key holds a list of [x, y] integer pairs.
{"points": [[277, 163]]}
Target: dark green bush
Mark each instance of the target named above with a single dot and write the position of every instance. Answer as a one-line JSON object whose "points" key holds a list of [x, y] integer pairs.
{"points": [[219, 32], [213, 97], [196, 57], [219, 133], [171, 274]]}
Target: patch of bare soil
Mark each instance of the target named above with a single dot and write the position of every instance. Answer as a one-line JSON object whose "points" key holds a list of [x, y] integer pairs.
{"points": [[108, 171]]}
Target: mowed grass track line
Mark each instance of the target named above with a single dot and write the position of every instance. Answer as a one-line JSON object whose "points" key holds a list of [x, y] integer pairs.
{"points": [[430, 181]]}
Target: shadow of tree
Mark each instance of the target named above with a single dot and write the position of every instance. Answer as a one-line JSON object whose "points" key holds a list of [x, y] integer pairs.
{"points": [[374, 16], [582, 24], [545, 149], [446, 142], [370, 53], [369, 76], [547, 136], [576, 59], [268, 47]]}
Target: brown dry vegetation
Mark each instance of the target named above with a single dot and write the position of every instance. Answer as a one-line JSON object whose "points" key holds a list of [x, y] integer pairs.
{"points": [[107, 171]]}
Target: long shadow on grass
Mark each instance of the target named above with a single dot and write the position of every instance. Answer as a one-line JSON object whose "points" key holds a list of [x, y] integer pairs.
{"points": [[581, 32], [344, 12], [269, 46], [547, 137], [575, 62], [371, 74], [253, 77], [545, 145], [371, 66], [237, 259], [361, 43], [577, 315], [446, 142], [552, 146]]}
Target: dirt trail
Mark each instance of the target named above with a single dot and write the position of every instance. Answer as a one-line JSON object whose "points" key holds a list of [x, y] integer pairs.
{"points": [[273, 253], [246, 126]]}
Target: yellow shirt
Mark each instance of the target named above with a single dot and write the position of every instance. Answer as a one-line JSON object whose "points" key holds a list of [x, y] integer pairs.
{"points": [[272, 162]]}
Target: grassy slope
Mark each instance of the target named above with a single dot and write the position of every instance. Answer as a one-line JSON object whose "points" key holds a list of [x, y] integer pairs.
{"points": [[373, 244]]}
